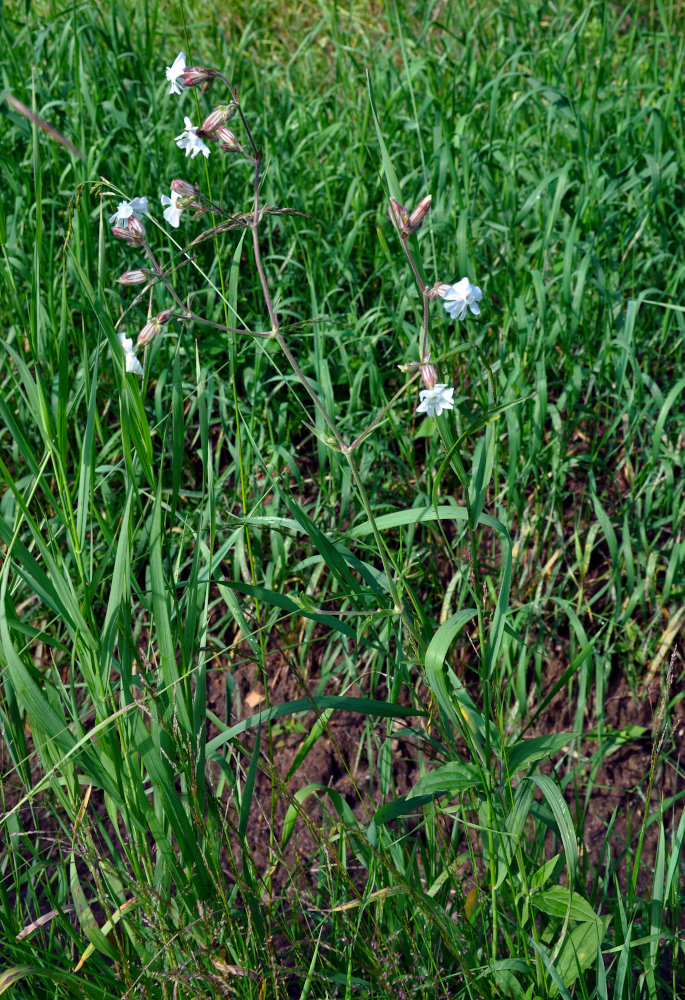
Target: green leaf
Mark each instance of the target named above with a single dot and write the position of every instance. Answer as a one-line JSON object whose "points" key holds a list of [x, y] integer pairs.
{"points": [[449, 779], [248, 788], [526, 751], [393, 810], [543, 873], [580, 949], [366, 706], [301, 795], [564, 822], [557, 901]]}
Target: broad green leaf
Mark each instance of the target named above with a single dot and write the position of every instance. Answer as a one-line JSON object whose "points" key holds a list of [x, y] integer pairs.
{"points": [[393, 810], [558, 901], [580, 949], [544, 872], [449, 779], [524, 752]]}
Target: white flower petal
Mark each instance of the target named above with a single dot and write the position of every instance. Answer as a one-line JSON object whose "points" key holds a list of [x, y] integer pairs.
{"points": [[174, 71], [139, 206], [132, 362], [460, 297], [190, 140], [172, 214], [435, 400], [125, 209]]}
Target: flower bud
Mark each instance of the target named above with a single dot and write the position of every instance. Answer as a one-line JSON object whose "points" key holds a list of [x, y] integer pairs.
{"points": [[149, 332], [429, 375], [153, 327], [217, 117], [184, 188], [136, 228], [194, 75], [408, 223], [399, 216], [129, 235], [228, 140], [416, 218], [138, 277]]}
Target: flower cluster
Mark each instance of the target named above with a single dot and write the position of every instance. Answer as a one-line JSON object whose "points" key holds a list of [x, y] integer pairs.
{"points": [[126, 222], [458, 299]]}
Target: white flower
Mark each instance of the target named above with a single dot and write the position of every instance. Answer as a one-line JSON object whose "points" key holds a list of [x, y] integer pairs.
{"points": [[172, 214], [435, 400], [125, 209], [460, 297], [190, 141], [132, 362], [175, 71]]}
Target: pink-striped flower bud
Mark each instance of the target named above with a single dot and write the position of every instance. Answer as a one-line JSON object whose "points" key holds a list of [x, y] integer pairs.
{"points": [[184, 188], [409, 222], [198, 75], [219, 116], [138, 277], [228, 140], [415, 220], [429, 375], [149, 332], [153, 327], [399, 216], [136, 227], [129, 235]]}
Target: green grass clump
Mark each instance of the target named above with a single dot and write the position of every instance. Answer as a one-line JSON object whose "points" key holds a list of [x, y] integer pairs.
{"points": [[470, 593]]}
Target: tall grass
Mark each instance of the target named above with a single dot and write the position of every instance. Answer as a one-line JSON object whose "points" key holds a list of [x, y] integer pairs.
{"points": [[450, 581]]}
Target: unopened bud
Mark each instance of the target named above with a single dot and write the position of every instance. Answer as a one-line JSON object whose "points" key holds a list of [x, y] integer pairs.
{"points": [[219, 116], [188, 198], [194, 75], [429, 375], [136, 228], [406, 222], [228, 140], [184, 188], [153, 327], [138, 277], [149, 332], [129, 235], [399, 216], [439, 290], [416, 218]]}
